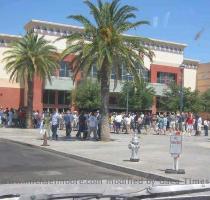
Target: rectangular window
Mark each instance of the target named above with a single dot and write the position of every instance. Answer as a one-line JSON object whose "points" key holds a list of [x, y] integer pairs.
{"points": [[49, 97], [113, 74], [125, 75], [166, 78], [63, 97], [64, 70], [94, 71], [145, 74]]}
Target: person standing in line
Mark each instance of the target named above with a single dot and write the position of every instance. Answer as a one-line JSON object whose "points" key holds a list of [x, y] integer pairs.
{"points": [[127, 123], [181, 121], [133, 122], [113, 122], [110, 123], [1, 116], [99, 118], [75, 121], [172, 122], [165, 119], [199, 126], [41, 124], [147, 122], [10, 117], [138, 123], [68, 119], [206, 127], [118, 120], [92, 124], [160, 124], [47, 124], [55, 123], [82, 126], [190, 122], [15, 118]]}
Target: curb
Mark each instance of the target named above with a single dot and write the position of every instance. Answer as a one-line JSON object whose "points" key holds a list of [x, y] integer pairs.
{"points": [[147, 175]]}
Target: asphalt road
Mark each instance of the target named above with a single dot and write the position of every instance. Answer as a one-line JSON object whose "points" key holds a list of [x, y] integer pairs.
{"points": [[19, 163]]}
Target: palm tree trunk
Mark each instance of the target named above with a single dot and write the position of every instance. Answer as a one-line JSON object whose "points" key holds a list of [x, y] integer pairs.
{"points": [[29, 113], [105, 82]]}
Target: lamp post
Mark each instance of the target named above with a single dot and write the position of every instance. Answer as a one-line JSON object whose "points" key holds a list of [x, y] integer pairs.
{"points": [[127, 92], [181, 88]]}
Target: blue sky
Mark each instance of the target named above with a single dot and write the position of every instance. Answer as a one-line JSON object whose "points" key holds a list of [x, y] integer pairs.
{"points": [[173, 20]]}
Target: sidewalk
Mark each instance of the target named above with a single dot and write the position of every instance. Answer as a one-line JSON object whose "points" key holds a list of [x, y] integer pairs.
{"points": [[154, 153]]}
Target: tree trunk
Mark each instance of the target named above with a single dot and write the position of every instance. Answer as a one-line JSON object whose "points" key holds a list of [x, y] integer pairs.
{"points": [[105, 82], [29, 113]]}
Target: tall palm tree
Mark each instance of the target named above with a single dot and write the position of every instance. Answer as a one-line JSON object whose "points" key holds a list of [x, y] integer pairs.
{"points": [[29, 57], [104, 44]]}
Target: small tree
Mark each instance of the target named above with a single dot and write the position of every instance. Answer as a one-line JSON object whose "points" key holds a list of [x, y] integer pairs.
{"points": [[192, 101], [87, 95], [171, 99], [140, 95], [206, 100]]}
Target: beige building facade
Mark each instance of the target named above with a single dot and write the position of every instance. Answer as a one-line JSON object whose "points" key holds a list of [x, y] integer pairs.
{"points": [[203, 77], [167, 66]]}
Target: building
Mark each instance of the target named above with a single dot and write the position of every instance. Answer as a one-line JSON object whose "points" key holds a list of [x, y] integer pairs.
{"points": [[167, 66], [203, 77]]}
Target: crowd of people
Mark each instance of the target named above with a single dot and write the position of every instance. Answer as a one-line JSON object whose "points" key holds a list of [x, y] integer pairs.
{"points": [[12, 117], [161, 123], [87, 123]]}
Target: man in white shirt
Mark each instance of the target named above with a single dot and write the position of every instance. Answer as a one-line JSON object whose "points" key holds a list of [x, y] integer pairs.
{"points": [[128, 123], [92, 123], [55, 123], [199, 125], [118, 121]]}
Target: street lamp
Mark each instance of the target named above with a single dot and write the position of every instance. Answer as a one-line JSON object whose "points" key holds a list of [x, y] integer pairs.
{"points": [[127, 93], [182, 66]]}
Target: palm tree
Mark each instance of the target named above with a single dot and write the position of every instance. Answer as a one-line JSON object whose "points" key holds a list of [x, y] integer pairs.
{"points": [[29, 57], [105, 45]]}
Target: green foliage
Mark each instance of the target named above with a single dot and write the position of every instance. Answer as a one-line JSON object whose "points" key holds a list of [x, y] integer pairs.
{"points": [[192, 100], [104, 43], [107, 47], [140, 96], [28, 57], [171, 99], [31, 56], [206, 100], [87, 95]]}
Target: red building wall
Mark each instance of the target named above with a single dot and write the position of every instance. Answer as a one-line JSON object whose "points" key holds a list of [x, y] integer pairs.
{"points": [[162, 68], [11, 97], [168, 69]]}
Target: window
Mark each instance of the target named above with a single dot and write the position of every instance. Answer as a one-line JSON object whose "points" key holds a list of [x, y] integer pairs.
{"points": [[166, 78], [93, 71], [125, 75], [64, 70], [49, 97], [113, 74], [63, 97], [145, 74]]}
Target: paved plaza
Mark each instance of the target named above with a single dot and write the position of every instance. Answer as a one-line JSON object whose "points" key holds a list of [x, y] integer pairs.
{"points": [[154, 152]]}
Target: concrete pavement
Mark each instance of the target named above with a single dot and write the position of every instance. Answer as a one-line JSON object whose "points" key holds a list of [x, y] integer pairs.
{"points": [[20, 164], [154, 153]]}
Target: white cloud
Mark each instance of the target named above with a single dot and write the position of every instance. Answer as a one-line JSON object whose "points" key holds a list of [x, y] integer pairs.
{"points": [[166, 19], [155, 21]]}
